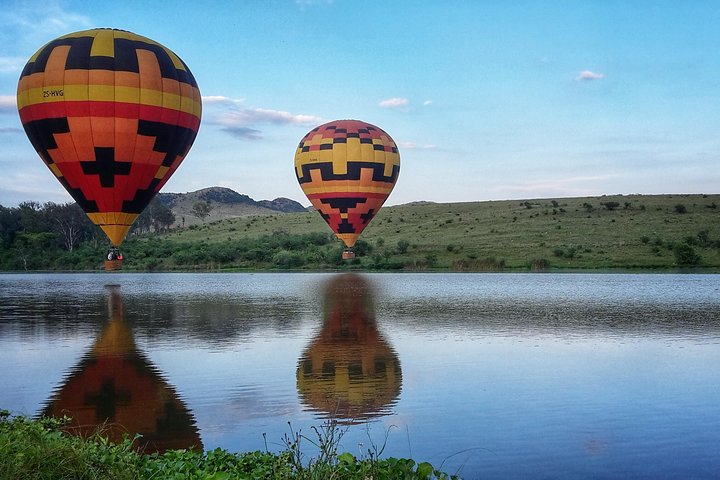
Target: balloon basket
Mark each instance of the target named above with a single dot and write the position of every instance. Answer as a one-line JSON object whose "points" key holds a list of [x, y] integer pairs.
{"points": [[112, 265], [348, 255]]}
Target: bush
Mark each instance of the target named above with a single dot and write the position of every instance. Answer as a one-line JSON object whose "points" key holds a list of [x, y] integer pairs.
{"points": [[403, 246], [539, 264], [610, 205], [39, 449], [686, 255]]}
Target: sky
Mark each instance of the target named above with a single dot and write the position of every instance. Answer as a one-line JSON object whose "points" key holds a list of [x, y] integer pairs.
{"points": [[486, 99]]}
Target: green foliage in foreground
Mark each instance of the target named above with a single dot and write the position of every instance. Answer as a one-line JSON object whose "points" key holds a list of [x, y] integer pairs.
{"points": [[39, 449]]}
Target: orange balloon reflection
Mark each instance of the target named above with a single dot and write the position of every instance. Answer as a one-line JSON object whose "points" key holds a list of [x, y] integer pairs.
{"points": [[116, 388], [349, 372]]}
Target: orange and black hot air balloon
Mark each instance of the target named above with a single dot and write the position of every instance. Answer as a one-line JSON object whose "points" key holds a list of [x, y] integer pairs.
{"points": [[112, 114], [347, 169]]}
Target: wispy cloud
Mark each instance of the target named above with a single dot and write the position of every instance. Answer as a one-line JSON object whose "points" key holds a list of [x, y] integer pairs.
{"points": [[39, 19], [16, 187], [7, 104], [249, 116], [309, 3], [588, 75], [11, 64], [427, 103], [218, 100], [241, 121], [560, 187], [395, 102], [244, 133], [415, 146]]}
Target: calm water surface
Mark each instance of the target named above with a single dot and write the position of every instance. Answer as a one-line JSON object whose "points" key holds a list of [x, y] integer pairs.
{"points": [[488, 375]]}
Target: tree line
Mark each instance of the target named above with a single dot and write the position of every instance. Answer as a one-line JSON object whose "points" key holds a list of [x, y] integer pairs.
{"points": [[55, 236]]}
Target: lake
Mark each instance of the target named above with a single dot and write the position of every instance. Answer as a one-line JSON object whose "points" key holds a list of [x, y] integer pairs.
{"points": [[484, 375]]}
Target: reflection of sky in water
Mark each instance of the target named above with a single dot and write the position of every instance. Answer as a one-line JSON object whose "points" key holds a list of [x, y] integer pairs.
{"points": [[509, 374]]}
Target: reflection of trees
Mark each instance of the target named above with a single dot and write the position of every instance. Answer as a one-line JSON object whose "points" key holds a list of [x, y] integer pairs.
{"points": [[349, 371], [219, 320], [117, 388]]}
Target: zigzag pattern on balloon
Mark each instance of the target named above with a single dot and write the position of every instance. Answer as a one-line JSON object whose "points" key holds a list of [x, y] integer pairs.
{"points": [[112, 114], [347, 169]]}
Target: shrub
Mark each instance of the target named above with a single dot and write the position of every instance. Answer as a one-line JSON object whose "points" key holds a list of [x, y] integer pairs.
{"points": [[539, 264], [685, 254], [403, 246], [610, 205]]}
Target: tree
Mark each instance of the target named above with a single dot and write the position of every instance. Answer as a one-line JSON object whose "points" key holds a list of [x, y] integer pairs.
{"points": [[610, 205], [9, 225], [69, 222], [685, 254], [143, 222], [162, 216], [402, 246], [31, 218], [32, 248], [202, 209]]}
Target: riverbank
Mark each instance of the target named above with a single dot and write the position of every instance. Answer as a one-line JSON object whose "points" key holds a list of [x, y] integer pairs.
{"points": [[40, 448]]}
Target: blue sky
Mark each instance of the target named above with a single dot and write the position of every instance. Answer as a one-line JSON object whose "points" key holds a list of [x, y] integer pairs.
{"points": [[487, 100]]}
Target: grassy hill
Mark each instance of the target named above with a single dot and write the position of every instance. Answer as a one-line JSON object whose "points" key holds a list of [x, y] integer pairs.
{"points": [[222, 203], [631, 231]]}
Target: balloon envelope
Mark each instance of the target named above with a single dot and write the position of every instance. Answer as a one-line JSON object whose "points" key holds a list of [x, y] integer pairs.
{"points": [[347, 169], [112, 114]]}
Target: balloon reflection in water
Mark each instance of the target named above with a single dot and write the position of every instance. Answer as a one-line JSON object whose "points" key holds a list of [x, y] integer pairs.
{"points": [[349, 371], [116, 388]]}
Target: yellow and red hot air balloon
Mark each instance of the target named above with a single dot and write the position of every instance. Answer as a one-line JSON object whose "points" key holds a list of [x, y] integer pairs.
{"points": [[347, 169], [112, 114]]}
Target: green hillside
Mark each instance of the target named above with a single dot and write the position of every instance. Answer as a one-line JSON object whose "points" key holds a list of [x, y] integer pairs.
{"points": [[610, 232], [631, 231]]}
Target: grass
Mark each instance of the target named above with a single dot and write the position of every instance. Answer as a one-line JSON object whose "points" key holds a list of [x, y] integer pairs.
{"points": [[608, 232], [40, 449]]}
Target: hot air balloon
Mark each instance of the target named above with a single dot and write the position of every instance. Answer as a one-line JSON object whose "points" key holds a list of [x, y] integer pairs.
{"points": [[347, 169], [112, 114]]}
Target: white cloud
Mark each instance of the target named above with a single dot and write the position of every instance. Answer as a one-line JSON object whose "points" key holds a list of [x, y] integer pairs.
{"points": [[7, 104], [218, 99], [242, 122], [395, 102], [587, 75], [250, 116], [415, 146], [556, 187], [38, 21], [11, 64], [309, 3], [244, 133], [427, 102], [16, 187]]}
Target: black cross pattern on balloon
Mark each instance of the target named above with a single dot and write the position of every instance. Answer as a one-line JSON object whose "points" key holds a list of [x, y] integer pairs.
{"points": [[105, 166]]}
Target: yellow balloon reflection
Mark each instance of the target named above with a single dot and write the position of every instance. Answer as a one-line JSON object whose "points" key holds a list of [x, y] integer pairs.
{"points": [[116, 388], [349, 372]]}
